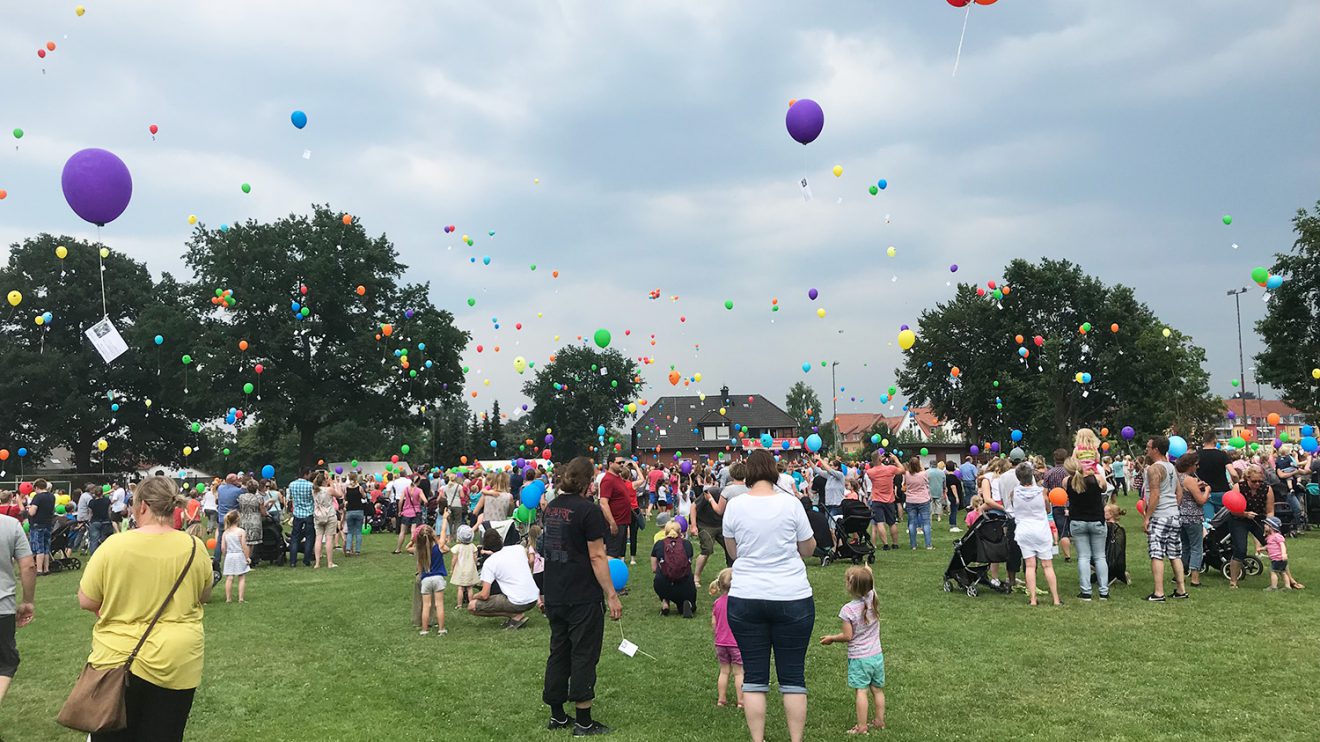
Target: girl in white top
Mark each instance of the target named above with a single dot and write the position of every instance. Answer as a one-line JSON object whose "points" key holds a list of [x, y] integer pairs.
{"points": [[1031, 511]]}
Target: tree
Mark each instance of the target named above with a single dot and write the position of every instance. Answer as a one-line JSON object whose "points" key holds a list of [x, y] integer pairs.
{"points": [[1138, 376], [804, 406], [1291, 326], [448, 437], [879, 428], [497, 430], [581, 389], [58, 391], [328, 351]]}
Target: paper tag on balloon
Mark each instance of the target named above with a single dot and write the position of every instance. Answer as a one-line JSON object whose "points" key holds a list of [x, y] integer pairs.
{"points": [[307, 154], [628, 648], [107, 340], [604, 371], [806, 190]]}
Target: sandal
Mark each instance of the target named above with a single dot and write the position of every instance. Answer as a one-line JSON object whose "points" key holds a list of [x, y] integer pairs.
{"points": [[877, 725], [721, 704], [860, 729]]}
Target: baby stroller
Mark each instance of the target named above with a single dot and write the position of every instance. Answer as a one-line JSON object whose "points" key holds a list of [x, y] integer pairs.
{"points": [[378, 515], [61, 546], [1288, 518], [1311, 502], [1218, 549], [988, 541], [852, 534], [1116, 554], [274, 548]]}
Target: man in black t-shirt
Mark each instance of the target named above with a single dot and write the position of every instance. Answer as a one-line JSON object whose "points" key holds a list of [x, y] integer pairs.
{"points": [[1212, 468], [708, 528], [41, 515], [577, 577]]}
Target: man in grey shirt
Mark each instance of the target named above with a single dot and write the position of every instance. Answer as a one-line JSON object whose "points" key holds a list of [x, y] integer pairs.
{"points": [[834, 485], [13, 548], [737, 473]]}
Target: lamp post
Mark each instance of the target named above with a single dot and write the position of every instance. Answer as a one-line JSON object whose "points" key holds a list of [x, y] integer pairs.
{"points": [[834, 399], [1242, 368]]}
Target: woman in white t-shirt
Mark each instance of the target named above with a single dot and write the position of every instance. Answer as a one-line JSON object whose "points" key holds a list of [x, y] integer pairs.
{"points": [[770, 605]]}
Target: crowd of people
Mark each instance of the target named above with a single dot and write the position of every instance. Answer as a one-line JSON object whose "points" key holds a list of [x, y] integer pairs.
{"points": [[514, 542]]}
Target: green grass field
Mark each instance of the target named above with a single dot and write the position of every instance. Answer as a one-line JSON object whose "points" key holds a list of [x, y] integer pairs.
{"points": [[331, 655]]}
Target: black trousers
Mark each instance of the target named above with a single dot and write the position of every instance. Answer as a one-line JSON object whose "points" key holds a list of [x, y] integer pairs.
{"points": [[575, 635], [616, 543], [675, 591], [155, 714]]}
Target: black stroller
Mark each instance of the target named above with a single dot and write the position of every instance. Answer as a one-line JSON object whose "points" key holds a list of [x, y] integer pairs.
{"points": [[379, 515], [988, 541], [1116, 554], [852, 534], [1218, 548], [274, 548], [60, 544]]}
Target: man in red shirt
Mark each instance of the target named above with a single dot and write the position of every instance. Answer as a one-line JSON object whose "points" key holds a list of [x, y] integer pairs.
{"points": [[884, 508], [617, 497], [653, 487]]}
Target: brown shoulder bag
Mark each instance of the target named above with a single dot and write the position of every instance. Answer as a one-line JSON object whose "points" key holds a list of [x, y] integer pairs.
{"points": [[96, 703]]}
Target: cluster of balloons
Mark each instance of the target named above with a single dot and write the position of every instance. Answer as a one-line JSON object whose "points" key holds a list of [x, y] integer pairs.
{"points": [[224, 298], [1265, 279]]}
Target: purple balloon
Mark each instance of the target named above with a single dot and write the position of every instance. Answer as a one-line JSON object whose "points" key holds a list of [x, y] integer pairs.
{"points": [[549, 439], [804, 120], [812, 294], [994, 447], [685, 467], [1232, 415], [902, 328], [339, 470], [953, 268], [1128, 433], [97, 185], [975, 450], [682, 523]]}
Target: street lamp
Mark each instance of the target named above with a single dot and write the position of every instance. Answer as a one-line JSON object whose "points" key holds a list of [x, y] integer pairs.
{"points": [[1242, 368], [834, 398]]}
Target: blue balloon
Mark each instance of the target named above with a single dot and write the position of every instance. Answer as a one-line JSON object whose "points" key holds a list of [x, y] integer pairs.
{"points": [[1177, 446], [600, 430], [494, 444], [1016, 435], [160, 339], [618, 573], [882, 184], [1307, 430], [22, 452], [1310, 444], [267, 472], [531, 494], [114, 407], [1273, 282], [806, 368], [298, 118], [1086, 377], [295, 306], [814, 443], [421, 346], [224, 227]]}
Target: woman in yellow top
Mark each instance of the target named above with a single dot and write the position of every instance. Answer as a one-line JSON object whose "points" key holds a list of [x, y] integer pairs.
{"points": [[125, 583]]}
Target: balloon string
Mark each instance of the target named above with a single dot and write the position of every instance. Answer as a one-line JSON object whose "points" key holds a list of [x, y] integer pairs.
{"points": [[958, 58], [104, 310]]}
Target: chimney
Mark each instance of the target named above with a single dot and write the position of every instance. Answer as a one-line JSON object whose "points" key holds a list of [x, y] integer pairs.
{"points": [[724, 394]]}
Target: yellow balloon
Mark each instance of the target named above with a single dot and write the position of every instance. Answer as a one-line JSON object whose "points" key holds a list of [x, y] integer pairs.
{"points": [[520, 364], [192, 218], [15, 298], [187, 450], [105, 252], [1167, 332], [891, 251], [722, 410], [632, 407], [697, 377], [61, 252], [148, 403], [838, 170], [486, 382], [1315, 373], [40, 320], [101, 445], [78, 11], [1078, 377], [884, 442], [906, 339], [702, 396], [820, 312]]}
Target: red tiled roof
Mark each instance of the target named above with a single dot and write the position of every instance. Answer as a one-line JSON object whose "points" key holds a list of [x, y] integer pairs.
{"points": [[1260, 407], [856, 423]]}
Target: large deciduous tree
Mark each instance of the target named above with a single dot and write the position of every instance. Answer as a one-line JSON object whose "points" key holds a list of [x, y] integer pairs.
{"points": [[328, 350], [803, 405], [1136, 376], [57, 389], [576, 393], [1291, 326]]}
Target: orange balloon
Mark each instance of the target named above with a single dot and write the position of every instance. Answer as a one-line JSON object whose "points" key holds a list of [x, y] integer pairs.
{"points": [[554, 274], [1004, 290], [387, 330], [1272, 418], [50, 45], [1026, 353], [1104, 432], [1104, 446], [361, 290], [474, 395], [1058, 497], [955, 371], [348, 219], [1017, 339], [462, 459], [1113, 327], [242, 345], [4, 454], [673, 378], [210, 543], [1248, 434]]}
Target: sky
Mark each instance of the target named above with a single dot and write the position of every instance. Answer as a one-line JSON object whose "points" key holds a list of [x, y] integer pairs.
{"points": [[636, 147]]}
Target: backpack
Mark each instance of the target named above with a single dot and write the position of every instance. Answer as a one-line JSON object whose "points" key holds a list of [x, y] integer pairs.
{"points": [[676, 564]]}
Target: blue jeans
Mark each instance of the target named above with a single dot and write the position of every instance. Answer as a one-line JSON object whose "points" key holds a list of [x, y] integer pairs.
{"points": [[1193, 543], [303, 531], [1089, 538], [1212, 505], [834, 511], [96, 533], [353, 522], [918, 516], [219, 539], [782, 625]]}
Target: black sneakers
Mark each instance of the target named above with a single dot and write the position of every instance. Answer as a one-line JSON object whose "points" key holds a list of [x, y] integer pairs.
{"points": [[1104, 596], [1153, 598], [1084, 596], [563, 723], [1180, 596], [590, 730], [687, 608]]}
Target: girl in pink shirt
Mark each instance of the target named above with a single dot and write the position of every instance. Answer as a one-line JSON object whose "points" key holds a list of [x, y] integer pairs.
{"points": [[726, 647], [974, 512]]}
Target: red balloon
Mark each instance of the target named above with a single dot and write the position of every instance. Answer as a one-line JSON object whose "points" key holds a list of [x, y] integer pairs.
{"points": [[984, 2], [959, 3], [25, 488], [153, 128], [1235, 502], [259, 368], [1141, 506], [41, 53]]}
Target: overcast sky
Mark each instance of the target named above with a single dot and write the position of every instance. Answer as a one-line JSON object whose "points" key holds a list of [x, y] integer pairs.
{"points": [[1115, 134]]}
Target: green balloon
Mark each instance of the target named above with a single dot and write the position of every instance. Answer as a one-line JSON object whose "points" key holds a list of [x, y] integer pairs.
{"points": [[1086, 326], [18, 133], [996, 384], [893, 391], [614, 384], [1260, 275], [1235, 382], [924, 451], [465, 369], [412, 373], [1228, 219], [353, 463], [366, 529], [602, 338], [472, 302], [533, 266], [873, 190], [404, 449], [225, 451], [247, 388], [305, 311], [1237, 441], [246, 188], [105, 488], [201, 487], [728, 303], [196, 427], [187, 360]]}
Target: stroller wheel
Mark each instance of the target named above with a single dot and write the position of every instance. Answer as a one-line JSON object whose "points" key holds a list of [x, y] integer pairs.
{"points": [[870, 558], [1225, 571], [948, 588], [56, 566], [77, 563], [971, 591], [825, 561], [1251, 565]]}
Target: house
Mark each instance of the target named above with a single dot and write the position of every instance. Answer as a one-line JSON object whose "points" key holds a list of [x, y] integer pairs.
{"points": [[723, 426], [917, 423], [1255, 420]]}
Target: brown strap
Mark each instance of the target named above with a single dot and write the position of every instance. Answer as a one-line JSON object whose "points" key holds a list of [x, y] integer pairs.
{"points": [[192, 553]]}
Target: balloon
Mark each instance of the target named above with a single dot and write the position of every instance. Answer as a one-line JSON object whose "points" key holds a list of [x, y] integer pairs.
{"points": [[682, 523], [728, 303], [813, 442], [821, 312], [1177, 446], [242, 345], [15, 298], [1237, 441], [838, 170], [812, 294], [673, 378], [523, 514], [1128, 433], [1016, 435], [78, 11], [531, 494], [1315, 373], [18, 133], [1228, 219], [1058, 497], [210, 543], [1166, 332], [61, 252], [602, 338], [806, 368], [804, 120], [1272, 418], [1274, 282], [1141, 506], [1235, 502], [299, 119], [1309, 444], [102, 444], [246, 187], [618, 573], [960, 3], [258, 368], [267, 472], [97, 185], [187, 359], [1259, 274], [247, 388], [153, 129], [906, 339], [187, 450], [685, 468]]}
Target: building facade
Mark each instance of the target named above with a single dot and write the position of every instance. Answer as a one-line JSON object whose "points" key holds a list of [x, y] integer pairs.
{"points": [[725, 427]]}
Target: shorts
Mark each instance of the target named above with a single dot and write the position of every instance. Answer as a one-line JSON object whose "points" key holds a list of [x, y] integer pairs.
{"points": [[1061, 521], [1279, 565], [326, 527], [9, 647], [728, 655], [433, 584], [884, 512], [500, 604], [39, 539], [866, 672], [709, 536], [1165, 538], [410, 520]]}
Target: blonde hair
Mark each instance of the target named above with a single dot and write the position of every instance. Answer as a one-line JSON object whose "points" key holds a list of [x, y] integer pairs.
{"points": [[159, 495], [231, 519], [861, 582], [672, 530], [6, 496], [500, 482], [722, 582], [1078, 481], [423, 537], [977, 502], [1086, 440], [1114, 511]]}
